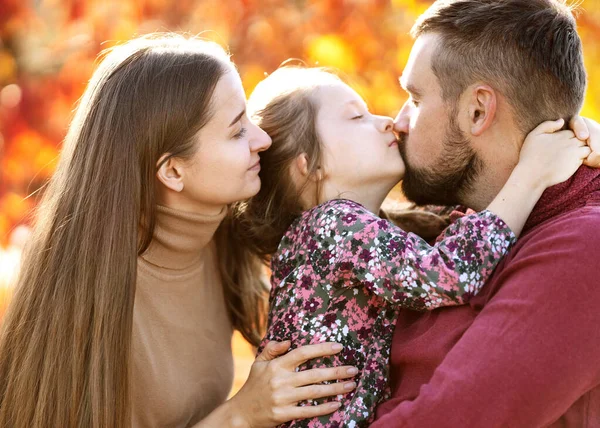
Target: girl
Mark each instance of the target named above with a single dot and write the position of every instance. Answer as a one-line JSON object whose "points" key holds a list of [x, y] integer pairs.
{"points": [[131, 285], [341, 273]]}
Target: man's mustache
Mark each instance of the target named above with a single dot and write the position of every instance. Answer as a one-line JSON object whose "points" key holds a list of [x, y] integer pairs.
{"points": [[402, 138]]}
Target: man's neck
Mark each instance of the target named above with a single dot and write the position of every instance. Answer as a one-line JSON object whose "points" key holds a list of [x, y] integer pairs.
{"points": [[490, 181], [481, 193], [499, 150]]}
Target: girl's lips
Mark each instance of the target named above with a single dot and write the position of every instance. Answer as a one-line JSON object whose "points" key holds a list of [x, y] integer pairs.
{"points": [[395, 142]]}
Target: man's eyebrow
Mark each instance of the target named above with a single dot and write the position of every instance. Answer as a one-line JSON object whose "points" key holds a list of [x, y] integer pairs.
{"points": [[410, 88], [238, 117]]}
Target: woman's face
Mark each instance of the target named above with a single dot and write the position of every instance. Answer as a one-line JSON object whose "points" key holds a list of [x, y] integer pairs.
{"points": [[225, 167], [360, 148]]}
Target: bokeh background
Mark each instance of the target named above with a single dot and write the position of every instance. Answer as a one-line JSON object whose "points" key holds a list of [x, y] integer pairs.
{"points": [[48, 51]]}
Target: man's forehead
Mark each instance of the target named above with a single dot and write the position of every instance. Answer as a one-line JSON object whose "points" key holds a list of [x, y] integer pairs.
{"points": [[419, 60]]}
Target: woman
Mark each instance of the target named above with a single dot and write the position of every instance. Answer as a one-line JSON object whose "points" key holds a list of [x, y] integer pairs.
{"points": [[131, 284]]}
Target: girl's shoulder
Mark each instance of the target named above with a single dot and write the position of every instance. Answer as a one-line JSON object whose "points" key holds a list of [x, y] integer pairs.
{"points": [[340, 217], [336, 209], [325, 219]]}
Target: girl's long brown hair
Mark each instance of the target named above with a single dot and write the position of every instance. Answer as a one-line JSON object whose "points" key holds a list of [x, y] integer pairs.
{"points": [[285, 107], [66, 337]]}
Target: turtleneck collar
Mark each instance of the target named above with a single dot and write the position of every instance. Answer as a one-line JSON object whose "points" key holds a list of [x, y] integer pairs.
{"points": [[179, 237], [572, 194]]}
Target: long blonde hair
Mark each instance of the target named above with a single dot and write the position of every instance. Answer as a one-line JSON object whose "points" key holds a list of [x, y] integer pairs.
{"points": [[66, 337]]}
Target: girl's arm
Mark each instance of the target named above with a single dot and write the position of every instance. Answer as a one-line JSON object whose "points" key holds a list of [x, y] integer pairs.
{"points": [[355, 248]]}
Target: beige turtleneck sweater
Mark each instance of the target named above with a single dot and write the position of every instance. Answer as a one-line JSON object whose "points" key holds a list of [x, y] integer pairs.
{"points": [[182, 363]]}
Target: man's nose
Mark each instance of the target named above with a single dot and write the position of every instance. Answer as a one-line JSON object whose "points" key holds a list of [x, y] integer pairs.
{"points": [[402, 120]]}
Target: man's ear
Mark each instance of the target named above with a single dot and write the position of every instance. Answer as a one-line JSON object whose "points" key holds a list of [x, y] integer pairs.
{"points": [[170, 172], [482, 108]]}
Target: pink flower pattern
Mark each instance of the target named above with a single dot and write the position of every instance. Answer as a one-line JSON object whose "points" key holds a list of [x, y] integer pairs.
{"points": [[341, 274]]}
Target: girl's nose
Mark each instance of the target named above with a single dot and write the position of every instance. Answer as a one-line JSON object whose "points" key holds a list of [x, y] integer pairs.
{"points": [[386, 124]]}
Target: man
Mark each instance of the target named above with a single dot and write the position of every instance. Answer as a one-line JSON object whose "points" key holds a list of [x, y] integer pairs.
{"points": [[526, 351]]}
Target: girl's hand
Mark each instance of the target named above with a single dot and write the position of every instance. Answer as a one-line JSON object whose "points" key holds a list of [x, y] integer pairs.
{"points": [[550, 156], [588, 130], [274, 387]]}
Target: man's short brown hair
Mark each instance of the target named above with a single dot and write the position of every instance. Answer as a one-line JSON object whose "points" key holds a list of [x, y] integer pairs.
{"points": [[529, 50]]}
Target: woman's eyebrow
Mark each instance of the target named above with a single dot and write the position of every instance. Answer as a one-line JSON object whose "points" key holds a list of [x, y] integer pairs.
{"points": [[238, 117]]}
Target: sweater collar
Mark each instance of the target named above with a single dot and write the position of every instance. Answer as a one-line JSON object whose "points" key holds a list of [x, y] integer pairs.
{"points": [[179, 237], [572, 194]]}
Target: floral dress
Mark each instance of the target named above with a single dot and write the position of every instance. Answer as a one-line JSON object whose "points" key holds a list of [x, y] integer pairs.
{"points": [[341, 274]]}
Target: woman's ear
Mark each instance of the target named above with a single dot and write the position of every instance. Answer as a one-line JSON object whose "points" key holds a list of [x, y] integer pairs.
{"points": [[482, 109], [170, 172]]}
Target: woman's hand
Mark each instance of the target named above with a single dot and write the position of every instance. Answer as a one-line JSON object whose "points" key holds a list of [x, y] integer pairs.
{"points": [[274, 387], [588, 130]]}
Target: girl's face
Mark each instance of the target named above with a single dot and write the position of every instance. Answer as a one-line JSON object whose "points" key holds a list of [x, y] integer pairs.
{"points": [[225, 167], [361, 152]]}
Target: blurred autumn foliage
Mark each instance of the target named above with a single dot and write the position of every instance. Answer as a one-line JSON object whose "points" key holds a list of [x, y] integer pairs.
{"points": [[48, 50]]}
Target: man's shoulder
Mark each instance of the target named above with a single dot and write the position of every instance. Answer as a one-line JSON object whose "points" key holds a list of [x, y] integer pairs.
{"points": [[579, 226], [562, 250]]}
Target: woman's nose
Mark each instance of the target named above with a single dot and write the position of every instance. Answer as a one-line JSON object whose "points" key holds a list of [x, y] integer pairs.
{"points": [[260, 141]]}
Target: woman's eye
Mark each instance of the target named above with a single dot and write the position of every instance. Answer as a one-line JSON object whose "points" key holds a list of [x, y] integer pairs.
{"points": [[360, 116], [240, 134]]}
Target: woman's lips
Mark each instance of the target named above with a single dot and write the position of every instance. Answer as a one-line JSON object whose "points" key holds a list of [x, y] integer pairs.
{"points": [[395, 142], [255, 167]]}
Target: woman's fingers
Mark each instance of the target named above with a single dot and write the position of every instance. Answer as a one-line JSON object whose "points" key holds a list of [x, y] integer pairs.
{"points": [[305, 412], [312, 376], [301, 355], [274, 387], [313, 392], [273, 350]]}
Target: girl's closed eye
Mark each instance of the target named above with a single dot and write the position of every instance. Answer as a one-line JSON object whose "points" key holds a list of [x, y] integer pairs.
{"points": [[357, 117]]}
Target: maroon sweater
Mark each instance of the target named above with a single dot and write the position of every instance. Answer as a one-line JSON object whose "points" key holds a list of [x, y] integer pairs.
{"points": [[525, 352]]}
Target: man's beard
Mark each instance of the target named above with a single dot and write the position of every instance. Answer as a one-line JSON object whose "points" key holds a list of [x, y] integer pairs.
{"points": [[453, 176]]}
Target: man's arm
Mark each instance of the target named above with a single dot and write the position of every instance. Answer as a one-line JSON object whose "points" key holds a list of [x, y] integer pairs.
{"points": [[535, 347]]}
